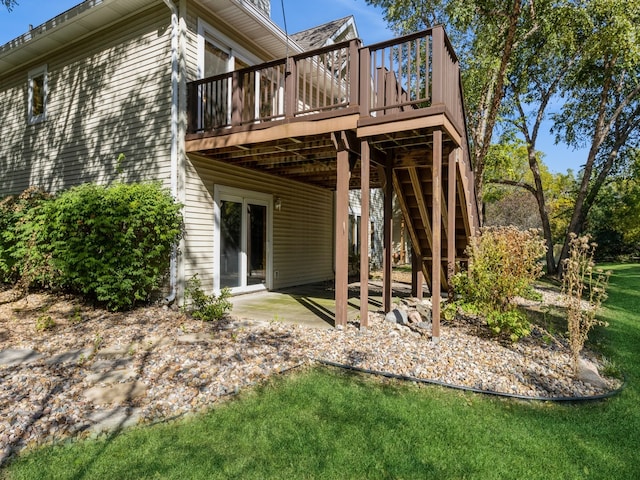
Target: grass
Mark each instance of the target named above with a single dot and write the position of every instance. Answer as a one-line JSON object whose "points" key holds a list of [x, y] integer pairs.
{"points": [[323, 423]]}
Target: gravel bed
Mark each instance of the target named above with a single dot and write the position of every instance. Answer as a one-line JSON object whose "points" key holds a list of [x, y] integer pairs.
{"points": [[184, 365]]}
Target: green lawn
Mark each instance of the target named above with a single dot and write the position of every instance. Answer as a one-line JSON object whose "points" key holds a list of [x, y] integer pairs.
{"points": [[323, 423]]}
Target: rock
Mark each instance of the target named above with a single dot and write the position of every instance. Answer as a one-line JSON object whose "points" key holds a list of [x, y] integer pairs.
{"points": [[193, 338], [113, 394], [414, 317], [588, 373], [410, 302], [114, 419], [117, 364], [16, 356], [111, 377], [423, 325], [154, 342], [424, 309], [112, 352], [397, 316], [73, 356]]}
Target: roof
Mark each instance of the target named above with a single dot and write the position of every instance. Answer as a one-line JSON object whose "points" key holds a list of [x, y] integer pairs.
{"points": [[91, 16], [73, 24], [326, 34]]}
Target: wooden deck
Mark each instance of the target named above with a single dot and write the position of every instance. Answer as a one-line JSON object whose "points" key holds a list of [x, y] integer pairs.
{"points": [[347, 116]]}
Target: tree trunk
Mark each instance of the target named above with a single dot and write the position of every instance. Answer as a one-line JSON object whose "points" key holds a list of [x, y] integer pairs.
{"points": [[577, 218], [544, 216], [483, 141]]}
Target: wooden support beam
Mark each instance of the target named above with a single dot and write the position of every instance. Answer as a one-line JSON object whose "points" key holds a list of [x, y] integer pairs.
{"points": [[346, 140], [451, 220], [436, 222], [387, 239], [407, 215], [365, 222], [342, 237], [463, 202], [422, 205], [424, 213]]}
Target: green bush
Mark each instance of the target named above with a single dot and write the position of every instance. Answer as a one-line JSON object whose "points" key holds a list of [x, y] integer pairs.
{"points": [[203, 306], [111, 243], [503, 263], [22, 254]]}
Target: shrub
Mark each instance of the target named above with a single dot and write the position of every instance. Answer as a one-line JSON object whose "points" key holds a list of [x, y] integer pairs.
{"points": [[23, 255], [582, 282], [203, 306], [114, 242], [503, 263], [110, 243], [44, 322]]}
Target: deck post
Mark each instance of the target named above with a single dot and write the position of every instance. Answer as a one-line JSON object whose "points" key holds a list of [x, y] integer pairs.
{"points": [[417, 276], [438, 66], [365, 222], [342, 237], [354, 73], [365, 82], [451, 217], [436, 224], [290, 85], [387, 238]]}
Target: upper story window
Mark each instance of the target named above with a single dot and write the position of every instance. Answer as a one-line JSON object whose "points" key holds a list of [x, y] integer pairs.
{"points": [[37, 97], [219, 54]]}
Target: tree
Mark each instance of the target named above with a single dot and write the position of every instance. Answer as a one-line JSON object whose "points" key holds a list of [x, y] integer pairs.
{"points": [[518, 56], [614, 220], [9, 4], [486, 33], [539, 70], [510, 191], [602, 107]]}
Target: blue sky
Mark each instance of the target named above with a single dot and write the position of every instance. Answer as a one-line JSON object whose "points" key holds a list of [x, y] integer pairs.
{"points": [[300, 15]]}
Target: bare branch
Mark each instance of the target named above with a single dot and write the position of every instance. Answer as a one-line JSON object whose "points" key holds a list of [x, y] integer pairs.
{"points": [[514, 183]]}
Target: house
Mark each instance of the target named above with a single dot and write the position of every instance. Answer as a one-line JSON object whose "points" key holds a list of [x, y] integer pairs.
{"points": [[258, 137]]}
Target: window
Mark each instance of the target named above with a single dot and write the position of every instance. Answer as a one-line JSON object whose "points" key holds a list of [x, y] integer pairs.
{"points": [[37, 101], [219, 54], [354, 235]]}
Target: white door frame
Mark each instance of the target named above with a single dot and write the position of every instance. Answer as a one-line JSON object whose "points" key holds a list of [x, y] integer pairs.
{"points": [[222, 192]]}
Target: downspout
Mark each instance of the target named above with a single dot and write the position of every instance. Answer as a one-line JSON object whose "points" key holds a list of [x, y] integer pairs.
{"points": [[175, 75]]}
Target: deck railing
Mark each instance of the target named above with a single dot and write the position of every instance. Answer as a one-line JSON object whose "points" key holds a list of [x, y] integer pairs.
{"points": [[406, 73], [309, 83], [397, 75]]}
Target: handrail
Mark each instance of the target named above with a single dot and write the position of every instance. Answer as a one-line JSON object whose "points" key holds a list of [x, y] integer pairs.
{"points": [[310, 82], [386, 78]]}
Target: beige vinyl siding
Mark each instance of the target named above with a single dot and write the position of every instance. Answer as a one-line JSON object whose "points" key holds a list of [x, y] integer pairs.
{"points": [[302, 230], [108, 94]]}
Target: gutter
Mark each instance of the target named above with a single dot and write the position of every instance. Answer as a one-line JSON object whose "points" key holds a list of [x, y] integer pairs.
{"points": [[175, 75]]}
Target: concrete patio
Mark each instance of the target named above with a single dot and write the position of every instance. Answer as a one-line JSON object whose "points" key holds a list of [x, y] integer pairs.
{"points": [[311, 305]]}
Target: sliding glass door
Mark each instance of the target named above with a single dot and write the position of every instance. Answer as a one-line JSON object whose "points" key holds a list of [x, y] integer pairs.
{"points": [[241, 239]]}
